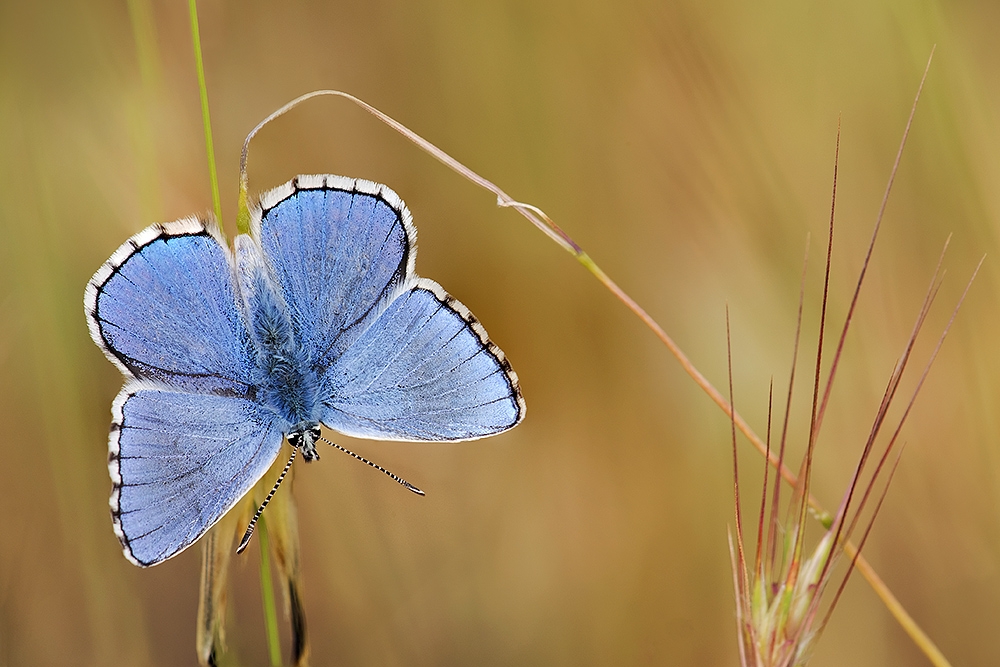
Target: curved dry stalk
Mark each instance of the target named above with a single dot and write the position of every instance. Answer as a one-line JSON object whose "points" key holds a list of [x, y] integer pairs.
{"points": [[540, 220]]}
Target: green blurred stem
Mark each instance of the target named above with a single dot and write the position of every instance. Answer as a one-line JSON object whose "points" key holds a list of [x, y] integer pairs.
{"points": [[267, 596], [144, 32], [206, 120]]}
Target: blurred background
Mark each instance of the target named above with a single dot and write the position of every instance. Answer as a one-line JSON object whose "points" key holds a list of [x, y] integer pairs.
{"points": [[689, 147]]}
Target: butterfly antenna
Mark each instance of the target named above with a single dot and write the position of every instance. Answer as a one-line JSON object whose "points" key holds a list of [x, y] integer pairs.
{"points": [[394, 477], [260, 510]]}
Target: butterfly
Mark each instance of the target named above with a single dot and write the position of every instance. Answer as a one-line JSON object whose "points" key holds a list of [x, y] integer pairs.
{"points": [[316, 317]]}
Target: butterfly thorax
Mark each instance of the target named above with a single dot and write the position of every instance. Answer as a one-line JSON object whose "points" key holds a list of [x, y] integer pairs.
{"points": [[285, 381]]}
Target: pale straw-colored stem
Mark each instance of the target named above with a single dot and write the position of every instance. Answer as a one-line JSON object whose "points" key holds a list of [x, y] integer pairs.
{"points": [[539, 219]]}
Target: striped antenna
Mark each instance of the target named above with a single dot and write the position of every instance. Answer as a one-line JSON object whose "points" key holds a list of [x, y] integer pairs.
{"points": [[260, 510], [394, 477]]}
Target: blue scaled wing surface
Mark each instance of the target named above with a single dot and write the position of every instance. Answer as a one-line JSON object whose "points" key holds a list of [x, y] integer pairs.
{"points": [[180, 461], [397, 357], [164, 308], [187, 439]]}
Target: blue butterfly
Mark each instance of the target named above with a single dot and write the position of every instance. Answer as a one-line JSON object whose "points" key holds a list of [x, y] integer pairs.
{"points": [[316, 317]]}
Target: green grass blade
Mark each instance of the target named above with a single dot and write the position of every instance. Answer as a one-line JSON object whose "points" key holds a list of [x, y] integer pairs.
{"points": [[206, 120], [267, 596]]}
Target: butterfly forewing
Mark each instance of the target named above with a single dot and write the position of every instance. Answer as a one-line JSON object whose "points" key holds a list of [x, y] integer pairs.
{"points": [[164, 308], [339, 248]]}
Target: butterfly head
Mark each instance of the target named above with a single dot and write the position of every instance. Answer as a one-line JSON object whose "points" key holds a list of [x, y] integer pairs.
{"points": [[304, 437]]}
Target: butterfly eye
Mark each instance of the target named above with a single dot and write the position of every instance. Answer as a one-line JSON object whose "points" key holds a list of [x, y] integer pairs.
{"points": [[305, 440]]}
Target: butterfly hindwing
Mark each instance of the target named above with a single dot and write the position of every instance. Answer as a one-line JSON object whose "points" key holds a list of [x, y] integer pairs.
{"points": [[425, 370], [179, 461], [163, 308]]}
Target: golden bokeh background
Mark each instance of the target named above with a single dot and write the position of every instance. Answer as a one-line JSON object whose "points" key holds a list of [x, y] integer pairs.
{"points": [[688, 146]]}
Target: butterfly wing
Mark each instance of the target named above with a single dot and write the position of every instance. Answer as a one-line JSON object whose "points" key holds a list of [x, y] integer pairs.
{"points": [[425, 370], [339, 249], [398, 358], [187, 442], [179, 461], [163, 308]]}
